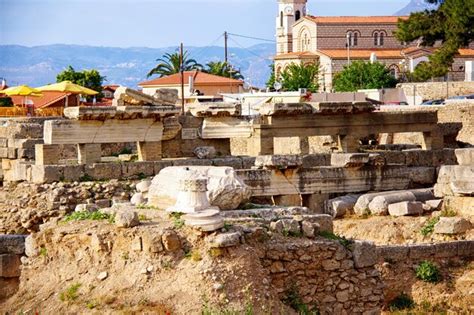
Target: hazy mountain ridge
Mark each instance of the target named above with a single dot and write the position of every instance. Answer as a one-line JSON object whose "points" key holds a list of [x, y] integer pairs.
{"points": [[39, 65], [416, 6]]}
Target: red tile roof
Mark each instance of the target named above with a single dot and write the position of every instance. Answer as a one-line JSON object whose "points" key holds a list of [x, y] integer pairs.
{"points": [[111, 87], [362, 53], [356, 19], [200, 78], [48, 98]]}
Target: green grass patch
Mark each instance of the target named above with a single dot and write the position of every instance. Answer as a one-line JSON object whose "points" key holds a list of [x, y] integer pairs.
{"points": [[176, 218], [71, 293], [341, 239], [428, 228], [428, 272], [86, 215]]}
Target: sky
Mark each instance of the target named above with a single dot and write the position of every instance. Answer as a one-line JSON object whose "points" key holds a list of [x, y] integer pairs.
{"points": [[157, 23]]}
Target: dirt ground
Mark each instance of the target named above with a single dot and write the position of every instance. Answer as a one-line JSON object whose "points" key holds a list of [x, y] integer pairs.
{"points": [[386, 230]]}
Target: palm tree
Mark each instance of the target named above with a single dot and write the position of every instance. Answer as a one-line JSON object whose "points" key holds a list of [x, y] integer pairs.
{"points": [[170, 63], [223, 69]]}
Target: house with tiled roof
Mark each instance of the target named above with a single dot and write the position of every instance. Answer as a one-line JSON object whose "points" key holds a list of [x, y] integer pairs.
{"points": [[47, 99], [335, 41], [198, 85]]}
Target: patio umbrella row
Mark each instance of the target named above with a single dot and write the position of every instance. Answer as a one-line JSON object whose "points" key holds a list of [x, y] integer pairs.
{"points": [[65, 86]]}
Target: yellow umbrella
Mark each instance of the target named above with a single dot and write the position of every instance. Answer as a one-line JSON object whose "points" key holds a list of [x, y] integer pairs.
{"points": [[68, 87], [22, 90]]}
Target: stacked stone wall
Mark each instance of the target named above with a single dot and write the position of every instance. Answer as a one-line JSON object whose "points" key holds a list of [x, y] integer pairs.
{"points": [[12, 247], [438, 90]]}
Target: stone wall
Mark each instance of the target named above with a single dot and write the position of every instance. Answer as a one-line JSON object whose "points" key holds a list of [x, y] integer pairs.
{"points": [[436, 90], [396, 262], [12, 247], [326, 275]]}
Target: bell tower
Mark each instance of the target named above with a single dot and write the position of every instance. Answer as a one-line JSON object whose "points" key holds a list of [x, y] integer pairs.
{"points": [[289, 12]]}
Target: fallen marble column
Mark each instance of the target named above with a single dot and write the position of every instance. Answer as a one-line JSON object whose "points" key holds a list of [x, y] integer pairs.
{"points": [[362, 205], [379, 204], [340, 206], [405, 208]]}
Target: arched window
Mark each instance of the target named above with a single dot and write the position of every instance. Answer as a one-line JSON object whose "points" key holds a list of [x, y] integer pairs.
{"points": [[376, 38], [381, 39], [297, 15], [394, 70], [354, 39], [281, 19]]}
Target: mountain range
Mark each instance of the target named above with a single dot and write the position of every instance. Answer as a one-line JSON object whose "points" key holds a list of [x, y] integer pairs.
{"points": [[39, 65]]}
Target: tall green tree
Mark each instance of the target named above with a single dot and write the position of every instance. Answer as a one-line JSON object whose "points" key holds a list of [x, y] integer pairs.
{"points": [[170, 64], [452, 24], [223, 69], [363, 75], [88, 78], [300, 76], [272, 79]]}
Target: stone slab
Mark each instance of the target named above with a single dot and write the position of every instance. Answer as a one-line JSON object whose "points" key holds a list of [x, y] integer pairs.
{"points": [[10, 265], [405, 208], [12, 244], [465, 156]]}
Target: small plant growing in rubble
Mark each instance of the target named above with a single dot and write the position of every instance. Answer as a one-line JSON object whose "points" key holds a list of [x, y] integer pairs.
{"points": [[401, 302], [448, 213], [341, 239], [177, 221], [194, 255], [70, 294], [86, 178], [43, 252], [428, 228], [143, 217], [428, 272], [86, 215], [293, 299]]}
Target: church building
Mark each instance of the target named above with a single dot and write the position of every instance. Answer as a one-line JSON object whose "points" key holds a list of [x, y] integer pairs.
{"points": [[335, 41]]}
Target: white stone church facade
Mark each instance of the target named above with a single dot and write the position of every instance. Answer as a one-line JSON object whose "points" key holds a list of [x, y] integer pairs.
{"points": [[336, 41]]}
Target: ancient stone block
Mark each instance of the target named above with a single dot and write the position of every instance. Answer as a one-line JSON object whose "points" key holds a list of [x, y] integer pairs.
{"points": [[278, 161], [435, 204], [8, 153], [206, 152], [166, 96], [364, 254], [220, 109], [89, 153], [26, 154], [466, 248], [19, 130], [349, 159], [423, 175], [225, 240], [234, 162], [3, 142], [285, 109], [446, 250], [171, 241], [159, 165], [103, 171], [314, 160], [338, 207], [126, 219], [149, 151], [465, 156], [405, 208], [248, 162], [41, 174], [73, 172], [138, 169], [47, 154], [393, 252], [315, 202], [12, 244], [288, 200], [453, 225], [419, 157], [10, 265]]}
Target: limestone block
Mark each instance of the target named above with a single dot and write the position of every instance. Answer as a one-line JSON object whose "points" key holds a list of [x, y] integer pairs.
{"points": [[103, 171], [90, 112], [86, 208], [290, 145], [3, 142], [143, 186], [41, 174], [126, 219], [309, 229], [339, 206], [138, 199], [362, 205], [285, 109], [419, 157], [220, 109], [89, 153], [465, 156], [225, 240], [23, 143], [234, 162], [10, 265], [12, 244], [434, 204], [349, 159], [278, 161], [452, 225], [324, 221], [364, 254], [6, 164], [315, 202], [225, 189], [192, 162], [31, 249], [26, 154], [47, 154], [19, 171], [463, 205], [462, 188], [149, 151], [73, 173], [225, 127], [20, 130], [393, 252], [314, 160], [422, 175], [108, 131], [405, 208], [8, 153], [206, 152], [138, 169], [171, 127]]}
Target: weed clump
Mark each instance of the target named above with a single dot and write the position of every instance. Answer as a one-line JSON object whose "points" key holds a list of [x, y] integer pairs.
{"points": [[401, 302], [428, 272], [71, 293], [341, 239], [428, 228], [86, 215]]}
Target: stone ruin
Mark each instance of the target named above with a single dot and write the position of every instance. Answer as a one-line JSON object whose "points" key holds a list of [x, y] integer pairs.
{"points": [[216, 166]]}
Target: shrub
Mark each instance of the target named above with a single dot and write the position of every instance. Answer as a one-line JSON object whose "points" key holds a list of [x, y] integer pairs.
{"points": [[428, 228], [428, 272], [401, 302], [70, 294]]}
